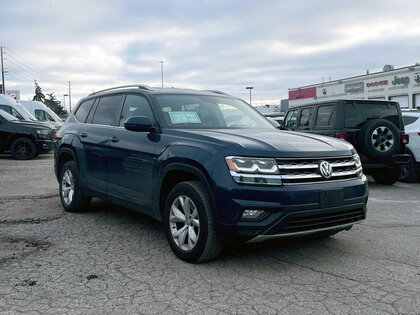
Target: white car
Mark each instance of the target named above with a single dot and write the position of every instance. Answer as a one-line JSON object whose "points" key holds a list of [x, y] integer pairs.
{"points": [[411, 171], [14, 108], [42, 112]]}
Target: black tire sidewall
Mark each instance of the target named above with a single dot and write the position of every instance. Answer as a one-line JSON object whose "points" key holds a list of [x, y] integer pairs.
{"points": [[202, 203], [365, 139], [75, 204], [413, 171], [387, 176], [30, 142]]}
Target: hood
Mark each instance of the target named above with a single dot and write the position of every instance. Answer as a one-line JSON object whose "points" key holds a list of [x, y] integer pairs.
{"points": [[274, 143], [33, 124]]}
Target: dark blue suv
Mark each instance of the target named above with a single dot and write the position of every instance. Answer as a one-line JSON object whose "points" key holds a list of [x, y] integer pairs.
{"points": [[209, 166]]}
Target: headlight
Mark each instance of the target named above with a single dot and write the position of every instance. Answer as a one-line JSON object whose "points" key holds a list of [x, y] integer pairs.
{"points": [[358, 164], [260, 171], [44, 133]]}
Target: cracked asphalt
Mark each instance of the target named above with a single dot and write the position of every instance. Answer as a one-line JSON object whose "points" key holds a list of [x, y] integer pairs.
{"points": [[112, 260]]}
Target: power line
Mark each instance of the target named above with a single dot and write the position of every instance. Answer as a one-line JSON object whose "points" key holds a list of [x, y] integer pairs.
{"points": [[23, 67], [27, 63], [22, 70]]}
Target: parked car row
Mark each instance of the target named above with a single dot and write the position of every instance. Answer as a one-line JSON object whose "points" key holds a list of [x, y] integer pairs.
{"points": [[22, 133], [374, 128]]}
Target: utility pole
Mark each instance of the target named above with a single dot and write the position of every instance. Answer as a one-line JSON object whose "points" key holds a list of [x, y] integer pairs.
{"points": [[3, 88], [249, 88], [161, 70], [70, 96]]}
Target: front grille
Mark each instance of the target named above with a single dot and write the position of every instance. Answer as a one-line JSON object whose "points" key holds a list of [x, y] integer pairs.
{"points": [[298, 171], [303, 223]]}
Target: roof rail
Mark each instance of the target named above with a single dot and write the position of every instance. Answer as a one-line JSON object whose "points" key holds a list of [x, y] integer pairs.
{"points": [[217, 92], [140, 86]]}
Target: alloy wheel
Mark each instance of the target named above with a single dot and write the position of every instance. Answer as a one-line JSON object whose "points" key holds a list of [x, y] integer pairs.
{"points": [[382, 139], [184, 223], [23, 149], [67, 187]]}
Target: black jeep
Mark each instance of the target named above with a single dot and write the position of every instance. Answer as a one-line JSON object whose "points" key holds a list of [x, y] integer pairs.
{"points": [[375, 129]]}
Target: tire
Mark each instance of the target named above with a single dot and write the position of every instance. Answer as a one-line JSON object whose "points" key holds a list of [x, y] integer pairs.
{"points": [[379, 139], [387, 175], [192, 235], [410, 172], [71, 194], [23, 149]]}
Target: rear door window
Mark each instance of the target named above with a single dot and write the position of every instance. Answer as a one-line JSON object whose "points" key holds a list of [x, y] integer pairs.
{"points": [[326, 116], [357, 113], [305, 117], [108, 111], [83, 110], [290, 120]]}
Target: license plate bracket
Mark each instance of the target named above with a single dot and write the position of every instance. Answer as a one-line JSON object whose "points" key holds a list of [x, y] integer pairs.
{"points": [[331, 198]]}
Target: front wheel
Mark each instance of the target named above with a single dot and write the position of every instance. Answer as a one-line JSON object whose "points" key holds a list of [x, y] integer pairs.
{"points": [[189, 223], [71, 194], [23, 149], [387, 175]]}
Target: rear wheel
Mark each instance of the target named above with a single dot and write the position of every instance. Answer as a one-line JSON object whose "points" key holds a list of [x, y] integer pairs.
{"points": [[23, 149], [410, 172], [387, 175], [189, 223], [71, 194]]}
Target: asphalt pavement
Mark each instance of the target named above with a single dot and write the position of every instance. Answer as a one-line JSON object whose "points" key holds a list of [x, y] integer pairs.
{"points": [[112, 260]]}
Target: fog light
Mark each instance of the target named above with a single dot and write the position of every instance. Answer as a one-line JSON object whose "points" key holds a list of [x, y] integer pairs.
{"points": [[252, 214]]}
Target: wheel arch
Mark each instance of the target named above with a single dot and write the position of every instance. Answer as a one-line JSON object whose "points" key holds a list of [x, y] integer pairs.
{"points": [[176, 173], [64, 155]]}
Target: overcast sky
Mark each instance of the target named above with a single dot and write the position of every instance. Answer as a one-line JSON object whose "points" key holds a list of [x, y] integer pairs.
{"points": [[224, 45]]}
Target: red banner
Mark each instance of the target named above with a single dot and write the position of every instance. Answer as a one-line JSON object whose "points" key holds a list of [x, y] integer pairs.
{"points": [[302, 93]]}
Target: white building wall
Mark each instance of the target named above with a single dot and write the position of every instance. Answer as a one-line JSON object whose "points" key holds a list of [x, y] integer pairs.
{"points": [[402, 85]]}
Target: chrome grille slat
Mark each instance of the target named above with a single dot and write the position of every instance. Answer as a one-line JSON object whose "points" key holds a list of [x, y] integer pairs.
{"points": [[305, 170]]}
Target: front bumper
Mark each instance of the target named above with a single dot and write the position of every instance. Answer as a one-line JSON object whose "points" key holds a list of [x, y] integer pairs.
{"points": [[290, 210], [44, 145]]}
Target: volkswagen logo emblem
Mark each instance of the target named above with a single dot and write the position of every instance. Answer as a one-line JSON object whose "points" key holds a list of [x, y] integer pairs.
{"points": [[325, 169]]}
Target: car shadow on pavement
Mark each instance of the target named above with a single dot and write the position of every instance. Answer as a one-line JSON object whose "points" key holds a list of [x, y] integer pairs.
{"points": [[144, 224]]}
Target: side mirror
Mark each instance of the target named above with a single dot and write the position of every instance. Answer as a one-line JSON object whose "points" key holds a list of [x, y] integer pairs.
{"points": [[138, 123]]}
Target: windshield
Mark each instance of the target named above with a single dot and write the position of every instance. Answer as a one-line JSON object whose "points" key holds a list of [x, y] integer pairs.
{"points": [[7, 116], [25, 112], [209, 112]]}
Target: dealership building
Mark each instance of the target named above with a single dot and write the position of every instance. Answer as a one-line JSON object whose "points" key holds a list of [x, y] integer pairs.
{"points": [[401, 85]]}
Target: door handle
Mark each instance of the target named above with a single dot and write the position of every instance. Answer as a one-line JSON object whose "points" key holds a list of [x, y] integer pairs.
{"points": [[83, 134], [114, 139]]}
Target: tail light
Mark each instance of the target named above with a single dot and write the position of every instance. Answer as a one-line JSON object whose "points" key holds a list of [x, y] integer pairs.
{"points": [[57, 134], [341, 136], [405, 139]]}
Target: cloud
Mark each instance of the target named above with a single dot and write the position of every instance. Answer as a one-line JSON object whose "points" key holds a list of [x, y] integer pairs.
{"points": [[225, 45]]}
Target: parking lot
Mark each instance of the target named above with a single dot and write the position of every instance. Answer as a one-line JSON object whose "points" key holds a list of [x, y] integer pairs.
{"points": [[112, 260]]}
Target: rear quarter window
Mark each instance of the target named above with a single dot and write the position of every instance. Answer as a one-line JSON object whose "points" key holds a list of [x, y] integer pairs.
{"points": [[408, 120], [326, 116]]}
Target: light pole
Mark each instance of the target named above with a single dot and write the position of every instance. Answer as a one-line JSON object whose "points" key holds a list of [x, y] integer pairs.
{"points": [[64, 100], [250, 88], [161, 70]]}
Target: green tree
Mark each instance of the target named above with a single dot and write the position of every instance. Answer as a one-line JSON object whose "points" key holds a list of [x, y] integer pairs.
{"points": [[55, 105], [39, 96]]}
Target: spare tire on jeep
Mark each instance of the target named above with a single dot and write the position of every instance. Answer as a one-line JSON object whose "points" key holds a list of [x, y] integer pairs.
{"points": [[379, 139]]}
